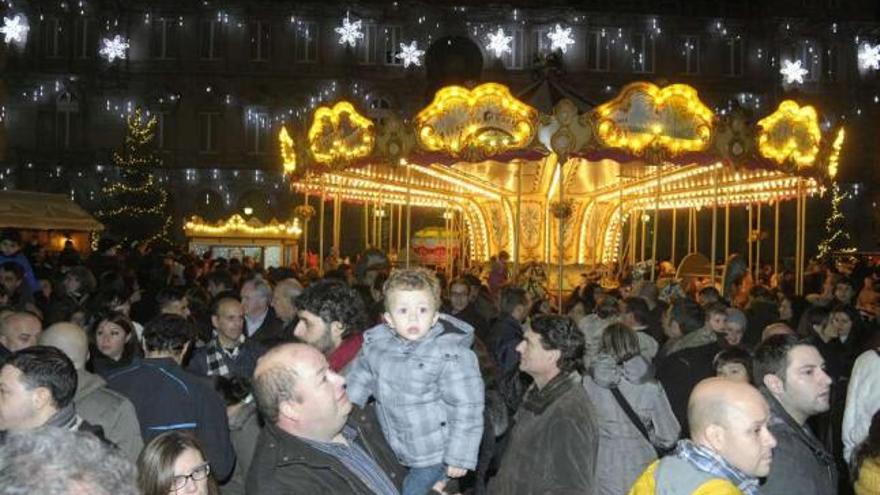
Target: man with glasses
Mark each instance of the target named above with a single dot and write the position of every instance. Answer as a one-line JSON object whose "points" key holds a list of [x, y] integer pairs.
{"points": [[461, 307]]}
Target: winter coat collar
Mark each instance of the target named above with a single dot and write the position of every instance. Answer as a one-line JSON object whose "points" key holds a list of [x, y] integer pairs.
{"points": [[698, 338], [346, 352], [538, 400], [780, 416]]}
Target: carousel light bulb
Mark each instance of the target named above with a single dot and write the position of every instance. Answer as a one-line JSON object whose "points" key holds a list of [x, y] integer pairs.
{"points": [[499, 42], [560, 38], [114, 48]]}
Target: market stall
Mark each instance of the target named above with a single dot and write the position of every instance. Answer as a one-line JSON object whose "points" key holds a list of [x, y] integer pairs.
{"points": [[271, 245]]}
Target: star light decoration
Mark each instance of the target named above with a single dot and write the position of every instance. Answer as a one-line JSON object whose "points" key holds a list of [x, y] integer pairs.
{"points": [[114, 48], [349, 32], [410, 54], [560, 38], [499, 42], [15, 29], [869, 56], [792, 72]]}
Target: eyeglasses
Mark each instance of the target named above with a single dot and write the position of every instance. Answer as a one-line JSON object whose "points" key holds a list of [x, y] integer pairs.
{"points": [[198, 474]]}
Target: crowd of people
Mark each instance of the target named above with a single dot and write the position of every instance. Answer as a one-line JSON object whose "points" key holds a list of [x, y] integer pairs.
{"points": [[150, 371]]}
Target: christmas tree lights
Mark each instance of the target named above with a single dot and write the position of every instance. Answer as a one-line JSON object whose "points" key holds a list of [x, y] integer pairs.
{"points": [[135, 207]]}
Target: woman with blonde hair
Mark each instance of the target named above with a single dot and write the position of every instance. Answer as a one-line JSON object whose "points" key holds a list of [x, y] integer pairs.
{"points": [[174, 462], [634, 416]]}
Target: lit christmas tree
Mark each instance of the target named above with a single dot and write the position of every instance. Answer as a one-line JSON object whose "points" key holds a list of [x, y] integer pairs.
{"points": [[135, 207], [836, 236]]}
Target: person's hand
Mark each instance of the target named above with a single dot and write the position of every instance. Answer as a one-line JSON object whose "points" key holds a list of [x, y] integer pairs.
{"points": [[455, 472]]}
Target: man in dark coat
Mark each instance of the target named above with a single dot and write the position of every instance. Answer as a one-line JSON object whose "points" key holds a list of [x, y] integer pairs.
{"points": [[314, 441], [507, 332], [166, 397], [790, 373], [554, 444], [261, 324], [462, 308]]}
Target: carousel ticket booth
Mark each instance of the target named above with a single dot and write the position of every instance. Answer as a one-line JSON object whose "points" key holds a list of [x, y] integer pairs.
{"points": [[575, 189], [273, 244]]}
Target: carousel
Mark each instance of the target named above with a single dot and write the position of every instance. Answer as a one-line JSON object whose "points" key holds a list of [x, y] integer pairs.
{"points": [[570, 189]]}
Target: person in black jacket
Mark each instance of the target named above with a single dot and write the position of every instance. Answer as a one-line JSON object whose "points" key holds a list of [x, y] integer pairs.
{"points": [[315, 440], [687, 357], [166, 397]]}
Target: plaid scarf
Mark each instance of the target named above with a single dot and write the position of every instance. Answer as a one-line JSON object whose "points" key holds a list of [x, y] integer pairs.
{"points": [[217, 355], [710, 462]]}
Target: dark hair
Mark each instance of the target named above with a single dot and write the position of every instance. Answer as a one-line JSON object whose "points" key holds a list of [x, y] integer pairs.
{"points": [[511, 297], [332, 300], [736, 355], [869, 448], [167, 332], [638, 307], [169, 295], [560, 333], [10, 234], [13, 267], [607, 307], [620, 342], [48, 367], [155, 465], [220, 277], [710, 293], [132, 347], [813, 316], [688, 314], [233, 389], [771, 356], [714, 308]]}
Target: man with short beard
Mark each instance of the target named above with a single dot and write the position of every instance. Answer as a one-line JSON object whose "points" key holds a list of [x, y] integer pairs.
{"points": [[791, 375], [331, 319]]}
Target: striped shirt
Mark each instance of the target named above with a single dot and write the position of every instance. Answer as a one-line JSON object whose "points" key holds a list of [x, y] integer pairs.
{"points": [[356, 460]]}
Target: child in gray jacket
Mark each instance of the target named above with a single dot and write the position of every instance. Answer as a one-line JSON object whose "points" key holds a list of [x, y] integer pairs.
{"points": [[426, 381]]}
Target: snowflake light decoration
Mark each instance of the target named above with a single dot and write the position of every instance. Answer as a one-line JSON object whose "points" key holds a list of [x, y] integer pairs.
{"points": [[792, 72], [15, 29], [869, 56], [499, 42], [349, 32], [560, 38], [410, 54], [113, 48]]}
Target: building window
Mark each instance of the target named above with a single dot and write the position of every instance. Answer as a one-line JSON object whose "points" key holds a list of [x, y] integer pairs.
{"points": [[260, 40], [515, 58], [209, 131], [211, 40], [832, 59], [810, 55], [690, 53], [164, 43], [306, 50], [540, 41], [392, 45], [366, 48], [85, 38], [642, 53], [257, 126], [732, 56], [164, 130], [66, 108], [598, 50], [55, 37]]}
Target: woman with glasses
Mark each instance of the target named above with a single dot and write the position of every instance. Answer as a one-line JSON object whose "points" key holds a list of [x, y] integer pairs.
{"points": [[174, 463]]}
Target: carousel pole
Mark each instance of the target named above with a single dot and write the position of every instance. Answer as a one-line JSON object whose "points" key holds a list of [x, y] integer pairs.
{"points": [[690, 248], [656, 228], [321, 234], [633, 221], [776, 238], [643, 218], [516, 221], [399, 227], [306, 234], [758, 243], [366, 225], [674, 221], [749, 235], [727, 230], [560, 248], [390, 227], [408, 210], [714, 228], [337, 219]]}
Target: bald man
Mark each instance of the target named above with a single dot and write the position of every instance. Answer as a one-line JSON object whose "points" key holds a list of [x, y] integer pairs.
{"points": [[94, 402], [729, 449], [18, 331], [315, 440]]}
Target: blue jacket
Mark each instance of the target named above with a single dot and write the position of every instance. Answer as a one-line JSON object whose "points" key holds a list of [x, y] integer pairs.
{"points": [[429, 393], [32, 285], [166, 397]]}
